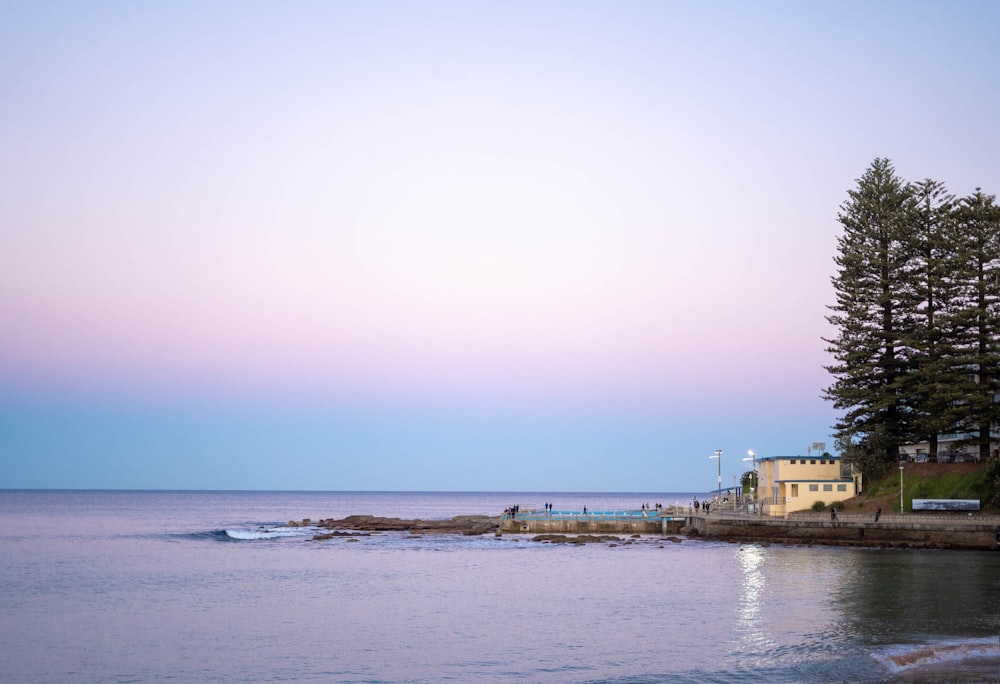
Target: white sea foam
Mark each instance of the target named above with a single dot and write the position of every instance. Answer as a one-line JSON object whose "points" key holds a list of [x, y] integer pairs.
{"points": [[914, 656], [268, 533]]}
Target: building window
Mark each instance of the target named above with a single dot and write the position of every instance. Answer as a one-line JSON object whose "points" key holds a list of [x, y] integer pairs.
{"points": [[795, 490], [841, 488], [812, 462], [813, 488], [828, 488]]}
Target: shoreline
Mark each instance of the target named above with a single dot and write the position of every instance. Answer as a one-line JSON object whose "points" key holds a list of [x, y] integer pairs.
{"points": [[973, 533], [918, 531]]}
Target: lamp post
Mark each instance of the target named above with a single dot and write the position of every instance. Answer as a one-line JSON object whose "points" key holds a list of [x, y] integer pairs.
{"points": [[718, 455], [753, 468]]}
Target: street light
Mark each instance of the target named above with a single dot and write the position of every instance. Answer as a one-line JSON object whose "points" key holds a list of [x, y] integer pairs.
{"points": [[718, 455], [753, 468]]}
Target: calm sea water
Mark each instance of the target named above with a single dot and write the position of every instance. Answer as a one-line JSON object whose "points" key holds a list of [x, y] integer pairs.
{"points": [[206, 587]]}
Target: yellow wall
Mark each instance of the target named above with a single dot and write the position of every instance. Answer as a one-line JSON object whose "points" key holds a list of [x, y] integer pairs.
{"points": [[795, 484]]}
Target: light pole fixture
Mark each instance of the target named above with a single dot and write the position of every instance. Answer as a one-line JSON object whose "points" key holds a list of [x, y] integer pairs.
{"points": [[753, 468], [718, 455]]}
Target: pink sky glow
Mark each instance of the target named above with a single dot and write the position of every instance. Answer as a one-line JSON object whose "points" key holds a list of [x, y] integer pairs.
{"points": [[549, 210]]}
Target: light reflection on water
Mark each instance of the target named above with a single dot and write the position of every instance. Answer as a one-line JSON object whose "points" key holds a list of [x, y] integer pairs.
{"points": [[99, 601], [755, 639]]}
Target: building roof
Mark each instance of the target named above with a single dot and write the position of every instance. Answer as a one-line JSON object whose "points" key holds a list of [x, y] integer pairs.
{"points": [[827, 481], [826, 457], [724, 490]]}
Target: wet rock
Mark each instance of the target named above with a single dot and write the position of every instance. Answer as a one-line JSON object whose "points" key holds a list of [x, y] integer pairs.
{"points": [[463, 524], [320, 536], [577, 540]]}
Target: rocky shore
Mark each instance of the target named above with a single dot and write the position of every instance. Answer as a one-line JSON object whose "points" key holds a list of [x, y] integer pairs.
{"points": [[911, 532], [610, 540], [461, 524]]}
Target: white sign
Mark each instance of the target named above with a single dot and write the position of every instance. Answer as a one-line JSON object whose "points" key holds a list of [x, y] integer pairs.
{"points": [[945, 504]]}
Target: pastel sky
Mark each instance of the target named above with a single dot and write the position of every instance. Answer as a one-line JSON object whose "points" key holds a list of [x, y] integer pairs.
{"points": [[530, 246]]}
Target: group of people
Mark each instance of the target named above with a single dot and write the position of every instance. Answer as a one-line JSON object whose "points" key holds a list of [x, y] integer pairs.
{"points": [[512, 511], [646, 508], [704, 506], [548, 508]]}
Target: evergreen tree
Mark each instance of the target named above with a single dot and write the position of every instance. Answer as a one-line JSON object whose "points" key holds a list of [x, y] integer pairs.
{"points": [[977, 323], [932, 383], [870, 317]]}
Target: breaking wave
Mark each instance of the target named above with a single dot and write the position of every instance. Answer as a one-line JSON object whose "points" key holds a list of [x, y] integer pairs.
{"points": [[267, 533], [233, 534], [899, 659]]}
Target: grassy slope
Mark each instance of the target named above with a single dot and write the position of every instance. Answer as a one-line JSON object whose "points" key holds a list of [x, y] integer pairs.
{"points": [[921, 481]]}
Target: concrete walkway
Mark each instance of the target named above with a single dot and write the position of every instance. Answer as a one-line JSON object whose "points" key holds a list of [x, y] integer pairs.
{"points": [[932, 530]]}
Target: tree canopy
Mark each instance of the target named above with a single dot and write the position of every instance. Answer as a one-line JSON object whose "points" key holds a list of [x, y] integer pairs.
{"points": [[917, 318]]}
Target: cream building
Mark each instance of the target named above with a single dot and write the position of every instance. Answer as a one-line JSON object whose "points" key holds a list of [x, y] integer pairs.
{"points": [[795, 483], [952, 448]]}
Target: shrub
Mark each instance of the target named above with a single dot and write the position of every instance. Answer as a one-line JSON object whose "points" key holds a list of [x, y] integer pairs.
{"points": [[818, 506], [990, 487]]}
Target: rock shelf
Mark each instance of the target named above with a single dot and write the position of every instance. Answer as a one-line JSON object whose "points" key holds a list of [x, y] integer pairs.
{"points": [[462, 524]]}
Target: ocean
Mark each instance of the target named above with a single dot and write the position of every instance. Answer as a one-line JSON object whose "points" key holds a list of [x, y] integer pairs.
{"points": [[157, 586]]}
